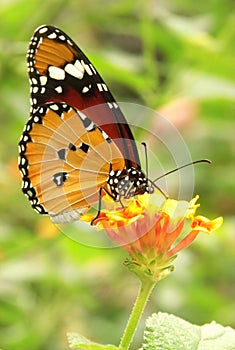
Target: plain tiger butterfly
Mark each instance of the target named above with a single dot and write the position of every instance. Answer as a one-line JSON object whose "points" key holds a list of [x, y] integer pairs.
{"points": [[77, 144]]}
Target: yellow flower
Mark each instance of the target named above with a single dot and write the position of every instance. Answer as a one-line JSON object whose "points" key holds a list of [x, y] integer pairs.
{"points": [[149, 229]]}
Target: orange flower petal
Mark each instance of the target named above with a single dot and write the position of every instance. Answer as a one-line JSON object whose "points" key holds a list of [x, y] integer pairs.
{"points": [[149, 227], [203, 224]]}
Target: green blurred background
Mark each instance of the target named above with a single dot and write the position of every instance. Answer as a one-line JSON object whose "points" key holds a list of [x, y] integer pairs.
{"points": [[176, 57]]}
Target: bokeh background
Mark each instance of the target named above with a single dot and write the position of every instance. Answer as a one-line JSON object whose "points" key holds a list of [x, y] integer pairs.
{"points": [[175, 57]]}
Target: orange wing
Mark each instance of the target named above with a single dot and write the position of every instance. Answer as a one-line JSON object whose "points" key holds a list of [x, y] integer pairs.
{"points": [[65, 159], [60, 72]]}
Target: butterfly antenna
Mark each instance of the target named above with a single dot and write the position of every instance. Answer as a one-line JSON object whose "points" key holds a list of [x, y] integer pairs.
{"points": [[146, 159], [181, 167], [147, 172]]}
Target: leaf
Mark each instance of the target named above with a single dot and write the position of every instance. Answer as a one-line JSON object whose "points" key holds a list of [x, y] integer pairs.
{"points": [[167, 332], [77, 341]]}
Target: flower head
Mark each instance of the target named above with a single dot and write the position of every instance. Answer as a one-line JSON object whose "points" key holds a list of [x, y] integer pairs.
{"points": [[149, 229]]}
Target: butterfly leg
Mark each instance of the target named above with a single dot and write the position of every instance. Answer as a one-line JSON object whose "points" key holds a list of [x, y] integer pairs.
{"points": [[130, 191], [120, 201], [99, 206], [100, 203]]}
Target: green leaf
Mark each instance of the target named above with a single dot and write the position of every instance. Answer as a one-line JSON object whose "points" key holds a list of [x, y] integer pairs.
{"points": [[77, 341], [167, 332]]}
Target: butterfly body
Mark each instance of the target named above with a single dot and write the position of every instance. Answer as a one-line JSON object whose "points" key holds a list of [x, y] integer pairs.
{"points": [[128, 183], [76, 144]]}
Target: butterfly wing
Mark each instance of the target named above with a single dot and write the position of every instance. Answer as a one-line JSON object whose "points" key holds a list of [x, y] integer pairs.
{"points": [[60, 72], [64, 160]]}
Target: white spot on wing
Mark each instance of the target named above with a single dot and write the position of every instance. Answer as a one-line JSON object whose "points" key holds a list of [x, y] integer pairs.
{"points": [[92, 68], [105, 87], [25, 184], [72, 70], [59, 89], [85, 89], [52, 36], [36, 119], [29, 193], [79, 66], [87, 68], [56, 73], [23, 171], [39, 209], [100, 88], [90, 126], [54, 107], [22, 161], [105, 135], [81, 115], [43, 30], [43, 79]]}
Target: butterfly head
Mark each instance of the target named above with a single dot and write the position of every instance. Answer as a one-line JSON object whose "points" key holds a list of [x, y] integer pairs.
{"points": [[128, 183]]}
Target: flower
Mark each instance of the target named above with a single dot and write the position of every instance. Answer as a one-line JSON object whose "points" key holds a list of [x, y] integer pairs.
{"points": [[149, 229]]}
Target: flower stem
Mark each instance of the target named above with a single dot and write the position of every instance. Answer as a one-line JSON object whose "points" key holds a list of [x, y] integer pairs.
{"points": [[145, 290]]}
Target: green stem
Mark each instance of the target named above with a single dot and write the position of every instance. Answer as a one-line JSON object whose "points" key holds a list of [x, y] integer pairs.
{"points": [[145, 290]]}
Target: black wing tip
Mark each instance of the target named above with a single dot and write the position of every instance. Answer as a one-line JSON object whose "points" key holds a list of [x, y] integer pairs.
{"points": [[48, 28]]}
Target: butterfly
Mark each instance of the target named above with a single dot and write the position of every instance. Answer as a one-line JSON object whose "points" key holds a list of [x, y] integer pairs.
{"points": [[76, 145]]}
